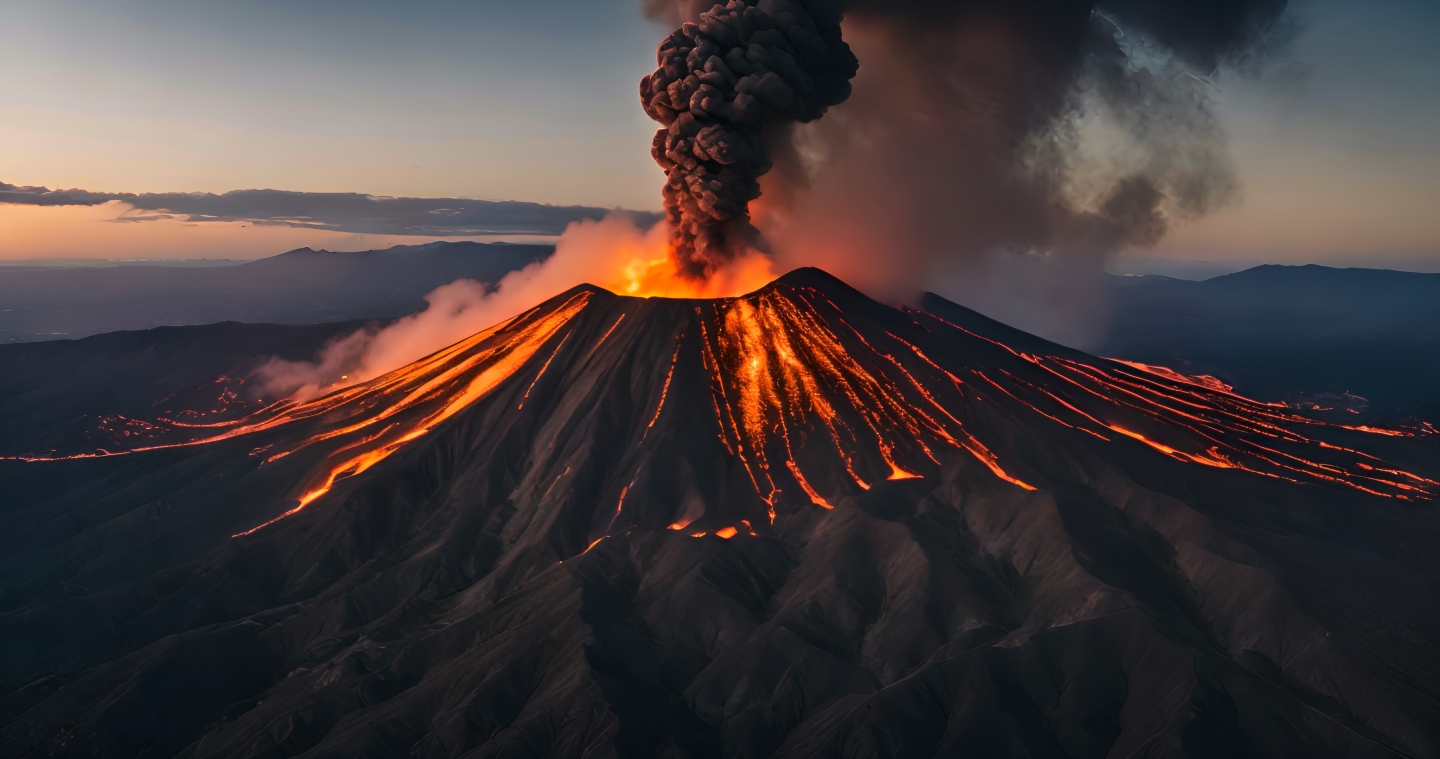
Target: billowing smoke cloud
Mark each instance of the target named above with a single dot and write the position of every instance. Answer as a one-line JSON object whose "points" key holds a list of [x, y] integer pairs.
{"points": [[999, 152], [723, 80]]}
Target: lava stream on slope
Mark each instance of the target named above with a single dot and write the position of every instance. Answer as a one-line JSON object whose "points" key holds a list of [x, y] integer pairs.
{"points": [[821, 401]]}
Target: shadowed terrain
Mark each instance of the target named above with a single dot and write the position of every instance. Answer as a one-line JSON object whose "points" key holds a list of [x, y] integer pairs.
{"points": [[299, 287], [1308, 335], [798, 523], [88, 394]]}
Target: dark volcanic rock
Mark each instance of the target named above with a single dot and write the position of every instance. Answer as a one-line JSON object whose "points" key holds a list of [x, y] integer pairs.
{"points": [[523, 577]]}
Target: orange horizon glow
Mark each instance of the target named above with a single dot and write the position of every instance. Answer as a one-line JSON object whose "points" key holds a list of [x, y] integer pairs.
{"points": [[102, 233]]}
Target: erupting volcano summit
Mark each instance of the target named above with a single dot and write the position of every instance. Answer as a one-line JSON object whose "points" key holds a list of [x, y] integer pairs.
{"points": [[792, 523]]}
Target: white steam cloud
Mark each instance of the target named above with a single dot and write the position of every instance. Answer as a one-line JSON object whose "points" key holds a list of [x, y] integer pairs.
{"points": [[603, 253]]}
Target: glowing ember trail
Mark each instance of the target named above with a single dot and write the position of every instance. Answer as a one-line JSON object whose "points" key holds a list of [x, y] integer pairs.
{"points": [[800, 478], [664, 389], [1223, 430], [540, 373], [1203, 380]]}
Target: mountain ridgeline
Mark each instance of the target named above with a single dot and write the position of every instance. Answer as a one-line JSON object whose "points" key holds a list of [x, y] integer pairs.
{"points": [[302, 286], [1313, 336], [797, 523]]}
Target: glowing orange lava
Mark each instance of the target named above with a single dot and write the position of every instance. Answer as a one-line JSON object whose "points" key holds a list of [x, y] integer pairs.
{"points": [[649, 273], [418, 387], [804, 485], [780, 370]]}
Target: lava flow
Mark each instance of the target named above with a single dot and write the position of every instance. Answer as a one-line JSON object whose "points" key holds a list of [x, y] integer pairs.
{"points": [[776, 363], [815, 402], [370, 422], [789, 369]]}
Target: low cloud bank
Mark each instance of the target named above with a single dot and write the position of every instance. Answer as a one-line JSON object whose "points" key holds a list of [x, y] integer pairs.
{"points": [[335, 211]]}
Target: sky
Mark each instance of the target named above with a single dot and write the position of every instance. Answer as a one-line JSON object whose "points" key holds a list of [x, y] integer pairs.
{"points": [[1340, 160], [1337, 145]]}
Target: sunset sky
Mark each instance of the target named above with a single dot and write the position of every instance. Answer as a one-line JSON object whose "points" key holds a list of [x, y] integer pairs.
{"points": [[1338, 149]]}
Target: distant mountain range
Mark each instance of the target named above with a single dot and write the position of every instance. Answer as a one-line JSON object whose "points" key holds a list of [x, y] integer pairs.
{"points": [[1309, 335], [302, 286]]}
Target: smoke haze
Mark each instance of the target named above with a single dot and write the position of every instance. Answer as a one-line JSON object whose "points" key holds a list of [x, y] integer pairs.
{"points": [[999, 153], [614, 253]]}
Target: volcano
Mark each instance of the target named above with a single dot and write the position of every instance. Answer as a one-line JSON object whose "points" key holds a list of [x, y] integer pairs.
{"points": [[797, 523]]}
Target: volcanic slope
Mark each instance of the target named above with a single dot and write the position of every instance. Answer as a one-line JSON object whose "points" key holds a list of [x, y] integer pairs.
{"points": [[797, 523]]}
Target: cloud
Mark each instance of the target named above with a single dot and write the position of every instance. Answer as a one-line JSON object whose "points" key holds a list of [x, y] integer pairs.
{"points": [[334, 211]]}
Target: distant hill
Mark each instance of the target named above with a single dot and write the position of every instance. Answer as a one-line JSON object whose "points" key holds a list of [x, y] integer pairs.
{"points": [[1304, 334], [302, 286]]}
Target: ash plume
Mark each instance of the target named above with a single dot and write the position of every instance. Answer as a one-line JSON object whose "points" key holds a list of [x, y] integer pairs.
{"points": [[999, 152], [723, 80]]}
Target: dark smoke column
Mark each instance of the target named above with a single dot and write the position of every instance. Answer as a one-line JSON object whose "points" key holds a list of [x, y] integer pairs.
{"points": [[720, 82]]}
